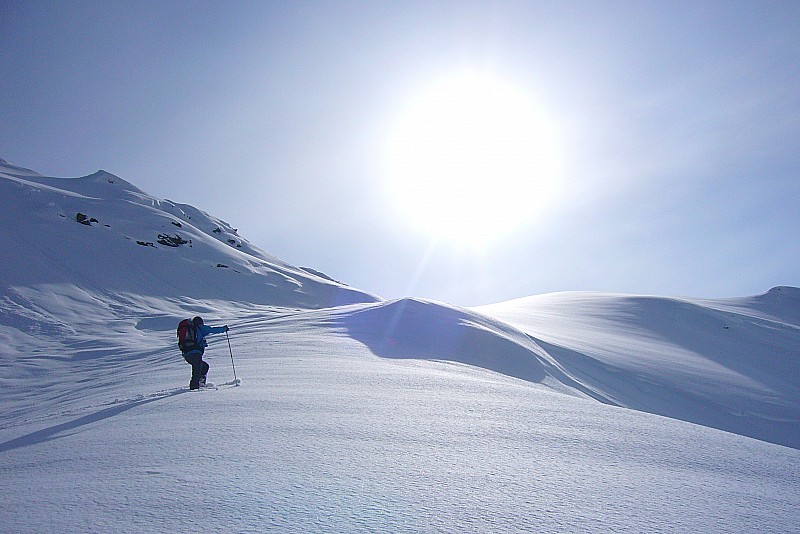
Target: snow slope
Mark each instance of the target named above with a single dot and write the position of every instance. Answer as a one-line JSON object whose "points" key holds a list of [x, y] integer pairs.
{"points": [[140, 244], [356, 414], [729, 364]]}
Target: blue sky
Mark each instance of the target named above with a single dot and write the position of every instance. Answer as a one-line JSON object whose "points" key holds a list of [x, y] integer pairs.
{"points": [[677, 126]]}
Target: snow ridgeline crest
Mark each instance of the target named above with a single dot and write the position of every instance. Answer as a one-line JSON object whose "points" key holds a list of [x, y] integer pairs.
{"points": [[729, 364], [100, 232]]}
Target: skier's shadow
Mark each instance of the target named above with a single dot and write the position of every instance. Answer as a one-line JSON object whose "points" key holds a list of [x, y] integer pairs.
{"points": [[63, 430]]}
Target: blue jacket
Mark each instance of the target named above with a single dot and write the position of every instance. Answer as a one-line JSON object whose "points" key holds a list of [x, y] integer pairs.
{"points": [[202, 331]]}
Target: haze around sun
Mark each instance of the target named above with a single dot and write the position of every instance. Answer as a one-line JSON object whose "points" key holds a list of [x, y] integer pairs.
{"points": [[472, 156]]}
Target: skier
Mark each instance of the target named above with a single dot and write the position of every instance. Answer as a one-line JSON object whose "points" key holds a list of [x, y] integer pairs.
{"points": [[194, 356]]}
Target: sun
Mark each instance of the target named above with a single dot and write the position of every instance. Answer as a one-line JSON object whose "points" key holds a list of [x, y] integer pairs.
{"points": [[470, 158]]}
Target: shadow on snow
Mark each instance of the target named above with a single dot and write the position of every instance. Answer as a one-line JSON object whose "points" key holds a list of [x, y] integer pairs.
{"points": [[418, 329], [64, 429]]}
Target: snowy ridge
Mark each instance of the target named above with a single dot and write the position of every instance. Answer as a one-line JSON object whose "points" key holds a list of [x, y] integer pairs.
{"points": [[729, 364], [562, 412], [131, 241]]}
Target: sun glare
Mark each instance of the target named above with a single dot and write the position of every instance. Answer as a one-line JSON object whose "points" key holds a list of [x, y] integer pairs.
{"points": [[471, 158]]}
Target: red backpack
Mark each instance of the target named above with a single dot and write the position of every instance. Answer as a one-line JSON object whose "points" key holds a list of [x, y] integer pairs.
{"points": [[187, 336]]}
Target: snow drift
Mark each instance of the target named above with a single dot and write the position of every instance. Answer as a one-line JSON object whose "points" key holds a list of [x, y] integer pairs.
{"points": [[730, 364]]}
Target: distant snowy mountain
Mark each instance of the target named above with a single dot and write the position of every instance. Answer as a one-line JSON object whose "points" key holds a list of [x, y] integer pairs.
{"points": [[102, 233], [579, 412]]}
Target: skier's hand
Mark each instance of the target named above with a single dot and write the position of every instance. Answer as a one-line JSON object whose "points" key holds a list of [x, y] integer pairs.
{"points": [[226, 328]]}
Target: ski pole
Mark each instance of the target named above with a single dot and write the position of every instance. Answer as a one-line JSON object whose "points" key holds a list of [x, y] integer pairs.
{"points": [[231, 351]]}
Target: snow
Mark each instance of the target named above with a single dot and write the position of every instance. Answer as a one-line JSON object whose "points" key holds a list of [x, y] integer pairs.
{"points": [[561, 412], [731, 365]]}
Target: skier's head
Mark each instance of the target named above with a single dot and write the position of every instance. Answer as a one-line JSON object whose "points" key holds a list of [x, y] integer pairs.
{"points": [[197, 321]]}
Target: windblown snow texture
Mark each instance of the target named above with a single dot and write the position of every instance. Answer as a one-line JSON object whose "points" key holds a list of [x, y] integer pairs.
{"points": [[562, 412]]}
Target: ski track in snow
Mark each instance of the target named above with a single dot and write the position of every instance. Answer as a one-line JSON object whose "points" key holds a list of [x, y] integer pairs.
{"points": [[565, 412]]}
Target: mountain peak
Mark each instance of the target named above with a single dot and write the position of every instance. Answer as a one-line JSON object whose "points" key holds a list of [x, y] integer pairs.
{"points": [[100, 232], [785, 291]]}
